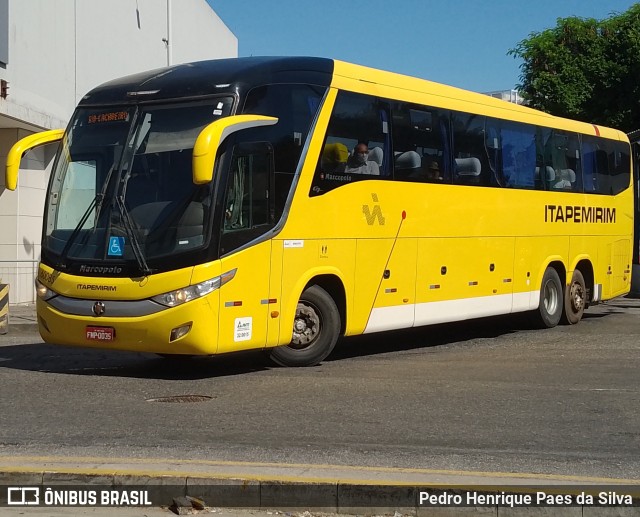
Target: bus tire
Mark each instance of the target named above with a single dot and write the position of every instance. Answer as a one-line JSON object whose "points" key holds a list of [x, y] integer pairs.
{"points": [[316, 329], [551, 299], [575, 298]]}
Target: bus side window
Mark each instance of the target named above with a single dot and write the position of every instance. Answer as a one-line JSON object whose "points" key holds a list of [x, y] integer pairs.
{"points": [[563, 156], [544, 173], [248, 210], [493, 150], [518, 146], [355, 119], [619, 166], [246, 204], [420, 143], [295, 106], [471, 161], [606, 165]]}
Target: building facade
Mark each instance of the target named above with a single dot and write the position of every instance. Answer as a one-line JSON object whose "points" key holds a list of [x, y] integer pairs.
{"points": [[507, 95], [52, 52]]}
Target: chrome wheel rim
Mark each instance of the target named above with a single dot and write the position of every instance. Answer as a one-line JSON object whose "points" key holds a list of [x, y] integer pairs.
{"points": [[551, 298]]}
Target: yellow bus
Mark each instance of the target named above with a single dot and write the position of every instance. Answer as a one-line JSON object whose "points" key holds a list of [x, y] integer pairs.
{"points": [[282, 203]]}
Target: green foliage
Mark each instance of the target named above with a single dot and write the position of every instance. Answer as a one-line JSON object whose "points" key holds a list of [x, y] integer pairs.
{"points": [[585, 69]]}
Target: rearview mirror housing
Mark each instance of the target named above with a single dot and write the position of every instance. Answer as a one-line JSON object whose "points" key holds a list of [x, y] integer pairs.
{"points": [[22, 146], [209, 140]]}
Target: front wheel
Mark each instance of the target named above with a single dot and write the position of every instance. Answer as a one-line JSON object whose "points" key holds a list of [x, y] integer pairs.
{"points": [[316, 329], [551, 299], [575, 298]]}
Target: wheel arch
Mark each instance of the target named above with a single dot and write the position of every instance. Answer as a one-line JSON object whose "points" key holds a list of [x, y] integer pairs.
{"points": [[334, 285], [556, 263], [332, 281]]}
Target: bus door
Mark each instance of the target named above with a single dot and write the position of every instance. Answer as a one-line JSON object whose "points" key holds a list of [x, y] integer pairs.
{"points": [[248, 215]]}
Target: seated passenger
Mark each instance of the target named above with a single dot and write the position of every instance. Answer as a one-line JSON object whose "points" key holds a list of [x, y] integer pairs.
{"points": [[433, 172], [358, 163], [334, 157], [566, 179], [428, 174]]}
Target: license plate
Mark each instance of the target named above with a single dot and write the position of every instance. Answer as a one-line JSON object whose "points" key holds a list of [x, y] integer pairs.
{"points": [[100, 333]]}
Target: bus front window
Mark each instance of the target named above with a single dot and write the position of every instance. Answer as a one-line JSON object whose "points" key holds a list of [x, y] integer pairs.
{"points": [[125, 176]]}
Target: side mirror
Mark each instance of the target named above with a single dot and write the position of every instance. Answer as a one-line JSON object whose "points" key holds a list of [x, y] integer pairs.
{"points": [[22, 146], [210, 138]]}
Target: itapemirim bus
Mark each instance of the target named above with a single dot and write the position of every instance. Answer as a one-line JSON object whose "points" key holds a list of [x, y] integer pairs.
{"points": [[211, 207]]}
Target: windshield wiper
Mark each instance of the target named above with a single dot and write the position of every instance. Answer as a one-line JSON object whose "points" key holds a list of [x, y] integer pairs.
{"points": [[96, 201], [135, 244]]}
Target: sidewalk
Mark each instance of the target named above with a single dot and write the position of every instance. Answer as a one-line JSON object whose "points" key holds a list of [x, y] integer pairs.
{"points": [[259, 489], [22, 318]]}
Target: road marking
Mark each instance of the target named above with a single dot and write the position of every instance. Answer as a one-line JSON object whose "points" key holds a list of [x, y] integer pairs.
{"points": [[60, 465]]}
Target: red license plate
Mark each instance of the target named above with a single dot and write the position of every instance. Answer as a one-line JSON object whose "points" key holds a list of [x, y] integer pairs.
{"points": [[100, 333]]}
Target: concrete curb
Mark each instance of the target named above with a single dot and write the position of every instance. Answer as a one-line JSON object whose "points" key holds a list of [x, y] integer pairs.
{"points": [[347, 494]]}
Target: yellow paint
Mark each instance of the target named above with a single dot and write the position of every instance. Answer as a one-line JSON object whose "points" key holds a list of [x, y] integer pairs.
{"points": [[244, 470], [210, 138], [468, 241], [22, 146]]}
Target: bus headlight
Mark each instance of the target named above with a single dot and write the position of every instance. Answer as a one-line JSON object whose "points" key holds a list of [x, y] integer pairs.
{"points": [[186, 294], [43, 292]]}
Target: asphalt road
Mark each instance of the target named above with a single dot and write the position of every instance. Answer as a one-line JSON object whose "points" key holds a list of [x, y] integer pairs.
{"points": [[488, 396]]}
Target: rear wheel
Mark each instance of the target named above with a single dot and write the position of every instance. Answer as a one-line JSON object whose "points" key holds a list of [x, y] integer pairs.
{"points": [[316, 329], [575, 298], [551, 297]]}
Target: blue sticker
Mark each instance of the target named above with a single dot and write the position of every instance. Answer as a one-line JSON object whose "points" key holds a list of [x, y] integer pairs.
{"points": [[116, 246]]}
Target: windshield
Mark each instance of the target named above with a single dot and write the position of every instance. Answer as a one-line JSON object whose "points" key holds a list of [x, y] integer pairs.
{"points": [[122, 189]]}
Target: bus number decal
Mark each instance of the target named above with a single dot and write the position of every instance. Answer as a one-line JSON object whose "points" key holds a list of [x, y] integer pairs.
{"points": [[242, 329], [294, 244]]}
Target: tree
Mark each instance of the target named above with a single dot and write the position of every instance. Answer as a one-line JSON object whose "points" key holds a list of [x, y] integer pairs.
{"points": [[585, 69]]}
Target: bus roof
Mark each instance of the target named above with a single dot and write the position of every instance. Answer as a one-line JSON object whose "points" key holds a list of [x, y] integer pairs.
{"points": [[209, 78], [201, 78]]}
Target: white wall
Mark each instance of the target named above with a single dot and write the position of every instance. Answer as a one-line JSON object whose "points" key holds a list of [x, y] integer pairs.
{"points": [[58, 50], [201, 34], [41, 65], [21, 217], [61, 49]]}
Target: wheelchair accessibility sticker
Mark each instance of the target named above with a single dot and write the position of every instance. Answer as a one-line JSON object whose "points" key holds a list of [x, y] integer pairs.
{"points": [[116, 246]]}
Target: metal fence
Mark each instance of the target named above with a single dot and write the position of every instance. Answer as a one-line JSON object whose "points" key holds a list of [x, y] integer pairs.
{"points": [[20, 275]]}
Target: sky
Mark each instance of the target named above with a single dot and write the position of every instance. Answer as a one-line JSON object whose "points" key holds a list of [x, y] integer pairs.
{"points": [[462, 43]]}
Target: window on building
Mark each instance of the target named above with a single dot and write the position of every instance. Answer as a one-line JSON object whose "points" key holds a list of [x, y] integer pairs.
{"points": [[4, 33]]}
